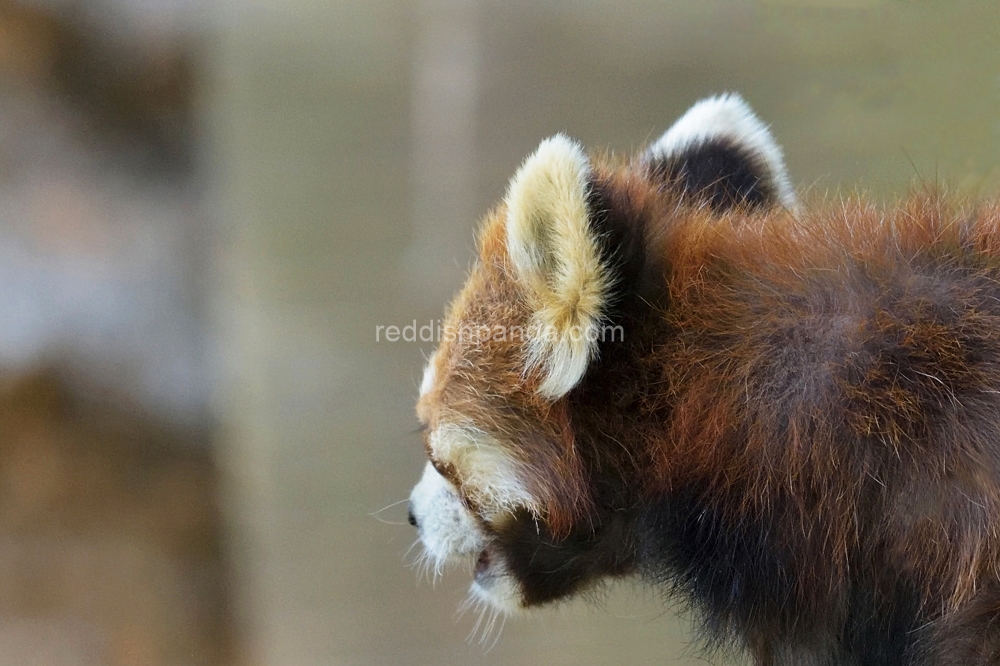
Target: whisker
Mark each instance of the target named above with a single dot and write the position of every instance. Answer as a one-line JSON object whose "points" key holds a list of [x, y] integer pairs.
{"points": [[374, 514], [488, 629], [464, 607], [475, 630], [413, 545], [417, 558], [388, 522], [425, 569], [496, 638]]}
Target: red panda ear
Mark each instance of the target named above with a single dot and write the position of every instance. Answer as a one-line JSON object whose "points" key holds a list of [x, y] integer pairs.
{"points": [[556, 257], [721, 152]]}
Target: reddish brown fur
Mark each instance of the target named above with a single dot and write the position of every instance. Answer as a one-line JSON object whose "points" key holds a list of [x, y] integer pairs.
{"points": [[483, 380], [755, 275], [877, 448]]}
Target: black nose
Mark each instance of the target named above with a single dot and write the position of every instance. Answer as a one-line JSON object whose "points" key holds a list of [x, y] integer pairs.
{"points": [[410, 518]]}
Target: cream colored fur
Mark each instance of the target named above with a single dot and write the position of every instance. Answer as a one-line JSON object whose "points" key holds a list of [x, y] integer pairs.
{"points": [[447, 530], [498, 589], [489, 475], [556, 256], [450, 534], [430, 375]]}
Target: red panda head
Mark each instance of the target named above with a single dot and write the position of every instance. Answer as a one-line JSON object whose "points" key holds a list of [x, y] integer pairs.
{"points": [[524, 479]]}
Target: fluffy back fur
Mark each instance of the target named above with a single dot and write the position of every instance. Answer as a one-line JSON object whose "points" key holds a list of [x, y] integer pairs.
{"points": [[797, 427]]}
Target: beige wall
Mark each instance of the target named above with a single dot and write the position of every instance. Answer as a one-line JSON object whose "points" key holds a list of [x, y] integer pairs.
{"points": [[354, 146]]}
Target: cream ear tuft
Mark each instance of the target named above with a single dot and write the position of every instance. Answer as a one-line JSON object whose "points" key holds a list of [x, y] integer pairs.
{"points": [[557, 258]]}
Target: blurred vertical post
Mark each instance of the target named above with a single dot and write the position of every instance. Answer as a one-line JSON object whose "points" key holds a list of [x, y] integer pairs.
{"points": [[310, 122], [444, 160]]}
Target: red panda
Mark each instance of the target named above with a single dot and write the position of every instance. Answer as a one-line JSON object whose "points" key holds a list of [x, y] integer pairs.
{"points": [[667, 367]]}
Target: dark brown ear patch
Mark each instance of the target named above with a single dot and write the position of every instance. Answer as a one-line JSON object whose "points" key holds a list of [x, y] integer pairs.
{"points": [[719, 152], [720, 172]]}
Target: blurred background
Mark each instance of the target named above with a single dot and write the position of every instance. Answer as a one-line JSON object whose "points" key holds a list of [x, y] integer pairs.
{"points": [[206, 208]]}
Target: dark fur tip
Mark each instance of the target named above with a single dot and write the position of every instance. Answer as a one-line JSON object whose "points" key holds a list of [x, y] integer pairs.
{"points": [[719, 172]]}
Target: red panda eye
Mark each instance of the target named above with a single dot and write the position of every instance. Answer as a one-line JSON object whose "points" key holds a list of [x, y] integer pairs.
{"points": [[446, 470]]}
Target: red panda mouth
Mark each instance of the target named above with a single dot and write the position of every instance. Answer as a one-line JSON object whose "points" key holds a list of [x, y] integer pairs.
{"points": [[482, 564]]}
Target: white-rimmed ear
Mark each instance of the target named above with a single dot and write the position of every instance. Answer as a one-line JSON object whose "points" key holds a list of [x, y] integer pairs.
{"points": [[557, 258], [721, 151], [430, 375]]}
